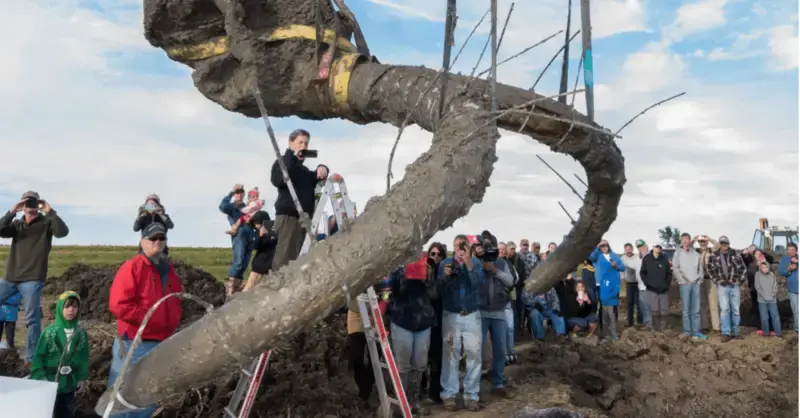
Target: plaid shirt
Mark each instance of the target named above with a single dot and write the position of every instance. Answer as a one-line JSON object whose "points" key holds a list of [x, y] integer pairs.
{"points": [[530, 261]]}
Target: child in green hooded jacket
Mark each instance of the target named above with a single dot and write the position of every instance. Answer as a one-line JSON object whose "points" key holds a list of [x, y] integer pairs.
{"points": [[63, 351]]}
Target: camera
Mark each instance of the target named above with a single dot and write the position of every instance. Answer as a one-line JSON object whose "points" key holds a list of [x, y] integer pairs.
{"points": [[307, 153], [490, 250], [31, 202]]}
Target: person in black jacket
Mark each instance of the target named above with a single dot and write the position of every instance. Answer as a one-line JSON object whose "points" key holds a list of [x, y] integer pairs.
{"points": [[287, 220], [412, 316], [580, 309], [264, 243], [437, 252], [656, 274]]}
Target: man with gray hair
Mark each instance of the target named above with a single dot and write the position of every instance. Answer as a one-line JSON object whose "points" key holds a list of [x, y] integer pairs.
{"points": [[26, 268]]}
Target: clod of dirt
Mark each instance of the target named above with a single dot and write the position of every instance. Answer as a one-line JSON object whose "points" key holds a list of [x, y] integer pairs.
{"points": [[533, 412], [11, 364], [92, 283]]}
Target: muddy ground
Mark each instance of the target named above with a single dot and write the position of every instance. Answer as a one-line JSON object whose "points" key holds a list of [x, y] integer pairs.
{"points": [[643, 374]]}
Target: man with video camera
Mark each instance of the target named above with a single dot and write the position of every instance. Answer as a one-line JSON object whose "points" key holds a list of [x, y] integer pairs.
{"points": [[291, 233], [494, 297], [26, 269]]}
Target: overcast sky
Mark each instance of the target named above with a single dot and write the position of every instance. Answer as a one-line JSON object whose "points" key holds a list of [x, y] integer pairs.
{"points": [[95, 119]]}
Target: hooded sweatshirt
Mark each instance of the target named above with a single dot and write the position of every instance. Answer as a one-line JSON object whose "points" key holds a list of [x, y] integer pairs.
{"points": [[766, 287], [656, 273], [607, 275], [632, 263], [791, 276], [686, 266], [53, 342]]}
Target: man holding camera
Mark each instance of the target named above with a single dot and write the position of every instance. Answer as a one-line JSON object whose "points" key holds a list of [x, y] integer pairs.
{"points": [[291, 233], [26, 269], [494, 299], [461, 277]]}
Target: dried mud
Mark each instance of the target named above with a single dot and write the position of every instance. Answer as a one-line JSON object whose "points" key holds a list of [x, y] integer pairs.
{"points": [[662, 374]]}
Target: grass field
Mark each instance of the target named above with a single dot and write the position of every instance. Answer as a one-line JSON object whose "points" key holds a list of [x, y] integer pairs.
{"points": [[213, 260]]}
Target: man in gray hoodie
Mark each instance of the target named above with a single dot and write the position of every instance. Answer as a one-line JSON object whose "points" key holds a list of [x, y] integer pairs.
{"points": [[688, 273], [632, 265]]}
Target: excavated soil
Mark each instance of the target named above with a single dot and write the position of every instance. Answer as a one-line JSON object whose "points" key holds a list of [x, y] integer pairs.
{"points": [[662, 374]]}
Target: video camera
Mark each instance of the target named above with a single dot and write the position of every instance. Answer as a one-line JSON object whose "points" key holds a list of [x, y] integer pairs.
{"points": [[489, 244], [307, 153]]}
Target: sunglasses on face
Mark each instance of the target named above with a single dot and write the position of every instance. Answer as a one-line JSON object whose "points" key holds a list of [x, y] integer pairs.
{"points": [[435, 254], [157, 238]]}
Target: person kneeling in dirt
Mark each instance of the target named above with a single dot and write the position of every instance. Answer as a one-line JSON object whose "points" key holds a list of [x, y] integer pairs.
{"points": [[411, 314], [544, 306], [461, 278], [62, 354], [264, 244], [139, 283], [580, 310]]}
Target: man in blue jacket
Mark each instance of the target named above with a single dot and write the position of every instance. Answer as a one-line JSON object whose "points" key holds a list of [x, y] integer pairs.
{"points": [[461, 277], [608, 265], [788, 268], [242, 241]]}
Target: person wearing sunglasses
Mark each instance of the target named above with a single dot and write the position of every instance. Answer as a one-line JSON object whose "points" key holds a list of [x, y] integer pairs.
{"points": [[139, 283], [436, 253]]}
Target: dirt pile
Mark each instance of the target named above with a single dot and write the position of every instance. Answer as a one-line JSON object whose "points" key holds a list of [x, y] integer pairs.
{"points": [[669, 375], [92, 283]]}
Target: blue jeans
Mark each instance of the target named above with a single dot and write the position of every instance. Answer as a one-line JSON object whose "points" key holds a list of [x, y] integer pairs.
{"points": [[458, 329], [644, 308], [497, 329], [582, 323], [690, 305], [410, 348], [729, 299], [31, 296], [509, 330], [116, 367], [242, 249], [767, 311], [793, 302], [632, 295], [537, 322]]}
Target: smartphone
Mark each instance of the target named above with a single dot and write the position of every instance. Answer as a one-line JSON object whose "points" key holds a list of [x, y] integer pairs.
{"points": [[32, 203]]}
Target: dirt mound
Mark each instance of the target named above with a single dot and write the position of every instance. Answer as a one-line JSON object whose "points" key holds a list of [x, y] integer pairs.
{"points": [[92, 283], [670, 375]]}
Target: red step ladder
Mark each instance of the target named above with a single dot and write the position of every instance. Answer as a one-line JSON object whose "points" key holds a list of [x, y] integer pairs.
{"points": [[375, 331]]}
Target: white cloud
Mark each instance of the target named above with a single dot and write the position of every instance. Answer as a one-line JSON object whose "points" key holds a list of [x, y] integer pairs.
{"points": [[696, 17], [106, 132], [784, 47]]}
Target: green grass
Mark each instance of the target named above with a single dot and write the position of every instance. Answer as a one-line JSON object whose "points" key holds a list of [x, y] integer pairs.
{"points": [[213, 260]]}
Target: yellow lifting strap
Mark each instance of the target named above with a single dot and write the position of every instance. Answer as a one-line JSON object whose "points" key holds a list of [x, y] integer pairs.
{"points": [[220, 45]]}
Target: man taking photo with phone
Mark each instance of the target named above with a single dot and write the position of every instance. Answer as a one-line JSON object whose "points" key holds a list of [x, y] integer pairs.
{"points": [[26, 268], [291, 233]]}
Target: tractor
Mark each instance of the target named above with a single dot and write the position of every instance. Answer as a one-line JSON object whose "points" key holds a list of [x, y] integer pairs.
{"points": [[774, 240]]}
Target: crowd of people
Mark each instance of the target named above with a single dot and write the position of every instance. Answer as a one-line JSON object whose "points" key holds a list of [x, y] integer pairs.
{"points": [[468, 302], [475, 298]]}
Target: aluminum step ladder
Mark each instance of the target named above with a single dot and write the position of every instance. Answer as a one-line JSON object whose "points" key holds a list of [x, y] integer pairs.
{"points": [[375, 331], [246, 390]]}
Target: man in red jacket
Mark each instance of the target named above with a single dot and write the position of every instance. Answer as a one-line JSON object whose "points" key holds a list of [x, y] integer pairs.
{"points": [[137, 286]]}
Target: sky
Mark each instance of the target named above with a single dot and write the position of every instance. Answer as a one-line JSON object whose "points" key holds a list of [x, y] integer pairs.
{"points": [[94, 118]]}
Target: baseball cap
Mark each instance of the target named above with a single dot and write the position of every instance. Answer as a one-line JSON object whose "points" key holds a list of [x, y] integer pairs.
{"points": [[511, 244], [155, 228], [724, 239], [153, 196], [658, 246], [686, 234], [30, 193], [640, 243]]}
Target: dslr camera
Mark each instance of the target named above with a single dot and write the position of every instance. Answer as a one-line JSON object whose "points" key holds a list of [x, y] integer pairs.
{"points": [[489, 244], [32, 203], [307, 153]]}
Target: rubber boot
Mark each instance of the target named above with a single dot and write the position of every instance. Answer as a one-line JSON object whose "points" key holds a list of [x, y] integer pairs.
{"points": [[413, 393]]}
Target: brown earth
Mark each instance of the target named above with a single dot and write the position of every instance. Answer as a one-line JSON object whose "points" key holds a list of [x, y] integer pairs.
{"points": [[644, 373]]}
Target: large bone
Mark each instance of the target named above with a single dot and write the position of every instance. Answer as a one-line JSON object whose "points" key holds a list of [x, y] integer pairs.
{"points": [[437, 189]]}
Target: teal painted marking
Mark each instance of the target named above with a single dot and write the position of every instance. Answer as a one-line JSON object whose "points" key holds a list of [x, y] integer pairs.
{"points": [[588, 73]]}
